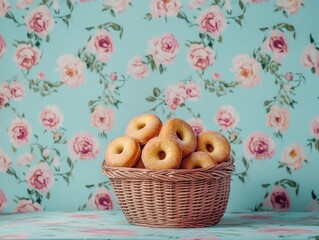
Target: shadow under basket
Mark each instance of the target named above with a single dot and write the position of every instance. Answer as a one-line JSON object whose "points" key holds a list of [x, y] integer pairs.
{"points": [[178, 198]]}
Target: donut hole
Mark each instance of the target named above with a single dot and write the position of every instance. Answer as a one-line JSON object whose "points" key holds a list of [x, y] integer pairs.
{"points": [[140, 126], [119, 150], [209, 148], [161, 155], [179, 135]]}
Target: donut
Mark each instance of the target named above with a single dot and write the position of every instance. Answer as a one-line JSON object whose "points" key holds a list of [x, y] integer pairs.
{"points": [[182, 133], [161, 153], [144, 127], [198, 160], [215, 144], [123, 151]]}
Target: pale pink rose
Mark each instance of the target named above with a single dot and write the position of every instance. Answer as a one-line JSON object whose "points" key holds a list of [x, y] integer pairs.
{"points": [[22, 4], [192, 4], [192, 90], [118, 6], [5, 94], [113, 76], [216, 76], [103, 118], [310, 58], [51, 117], [5, 161], [277, 45], [278, 118], [212, 20], [200, 57], [293, 155], [71, 70], [102, 45], [278, 199], [313, 206], [290, 6], [27, 206], [17, 90], [40, 177], [137, 68], [197, 125], [41, 76], [56, 162], [165, 8], [314, 127], [46, 153], [26, 56], [4, 7], [39, 21], [259, 146], [83, 146], [101, 200], [3, 200], [163, 49], [226, 117], [246, 69], [25, 159], [3, 46], [174, 96], [19, 132], [289, 76], [233, 136]]}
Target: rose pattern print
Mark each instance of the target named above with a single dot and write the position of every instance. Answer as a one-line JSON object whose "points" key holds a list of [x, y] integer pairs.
{"points": [[197, 125], [4, 7], [278, 199], [3, 46], [83, 146], [101, 200], [103, 118], [200, 57], [293, 156], [118, 6], [51, 117], [40, 177], [27, 206], [310, 57], [3, 200], [137, 68], [278, 118], [162, 8], [259, 146], [26, 56], [226, 117], [22, 4], [19, 132], [5, 161], [25, 159]]}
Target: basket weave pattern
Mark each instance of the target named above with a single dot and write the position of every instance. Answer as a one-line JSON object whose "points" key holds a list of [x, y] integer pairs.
{"points": [[172, 198]]}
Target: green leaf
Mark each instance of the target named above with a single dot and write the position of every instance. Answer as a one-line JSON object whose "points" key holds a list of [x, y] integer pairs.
{"points": [[311, 39], [263, 29], [313, 195], [241, 5], [150, 99], [156, 92], [89, 186], [266, 185]]}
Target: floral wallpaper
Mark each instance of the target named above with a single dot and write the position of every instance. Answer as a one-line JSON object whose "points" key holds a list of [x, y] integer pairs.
{"points": [[74, 72]]}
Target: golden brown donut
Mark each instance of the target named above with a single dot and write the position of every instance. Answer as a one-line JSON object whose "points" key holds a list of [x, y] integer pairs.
{"points": [[215, 144], [198, 160], [144, 127], [161, 153], [123, 151], [182, 133]]}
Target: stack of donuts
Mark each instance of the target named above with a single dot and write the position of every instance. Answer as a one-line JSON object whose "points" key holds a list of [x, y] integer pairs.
{"points": [[149, 143]]}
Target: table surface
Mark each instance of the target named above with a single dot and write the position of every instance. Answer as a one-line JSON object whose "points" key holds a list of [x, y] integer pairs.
{"points": [[113, 225]]}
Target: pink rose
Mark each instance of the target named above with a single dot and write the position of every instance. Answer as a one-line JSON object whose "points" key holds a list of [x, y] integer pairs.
{"points": [[71, 70], [226, 117], [41, 76], [3, 46], [3, 200], [22, 4], [289, 76], [5, 161], [4, 7], [5, 94], [164, 49], [277, 45], [246, 69], [310, 58], [216, 76], [137, 68], [39, 21], [174, 96], [25, 159], [40, 177], [19, 132], [46, 153], [313, 206], [200, 57], [197, 125], [314, 127], [118, 6], [51, 117], [102, 45], [113, 76], [83, 146], [27, 206], [101, 200], [192, 90], [17, 90], [293, 155], [164, 8], [259, 146], [212, 20], [278, 118], [26, 56], [192, 4], [103, 118], [278, 199], [56, 162], [291, 6]]}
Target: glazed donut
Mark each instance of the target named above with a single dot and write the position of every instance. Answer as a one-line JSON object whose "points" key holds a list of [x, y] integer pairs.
{"points": [[215, 144], [123, 151], [182, 133], [198, 160], [144, 127], [161, 153]]}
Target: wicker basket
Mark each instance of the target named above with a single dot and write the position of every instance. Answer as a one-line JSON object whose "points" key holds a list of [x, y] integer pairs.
{"points": [[172, 198]]}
